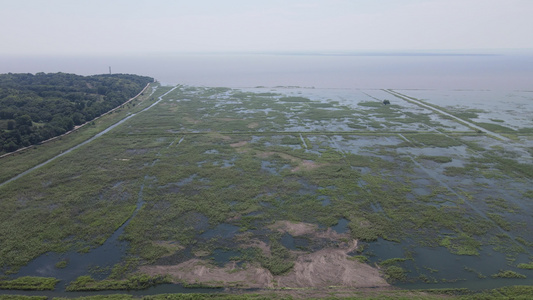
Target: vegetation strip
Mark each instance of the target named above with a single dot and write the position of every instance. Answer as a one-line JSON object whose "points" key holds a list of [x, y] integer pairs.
{"points": [[29, 283]]}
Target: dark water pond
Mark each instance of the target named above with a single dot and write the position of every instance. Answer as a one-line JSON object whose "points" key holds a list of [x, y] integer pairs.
{"points": [[294, 243], [342, 226], [436, 267], [224, 256], [97, 262], [223, 231]]}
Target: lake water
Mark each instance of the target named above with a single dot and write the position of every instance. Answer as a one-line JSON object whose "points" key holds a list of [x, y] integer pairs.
{"points": [[508, 71]]}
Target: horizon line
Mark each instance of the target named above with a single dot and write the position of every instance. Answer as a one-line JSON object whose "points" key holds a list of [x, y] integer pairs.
{"points": [[389, 52]]}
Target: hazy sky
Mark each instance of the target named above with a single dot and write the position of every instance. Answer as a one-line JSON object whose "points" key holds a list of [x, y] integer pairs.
{"points": [[170, 26]]}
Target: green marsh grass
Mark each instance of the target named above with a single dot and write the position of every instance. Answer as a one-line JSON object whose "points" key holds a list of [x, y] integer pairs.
{"points": [[133, 282], [437, 159], [22, 297], [496, 127], [29, 283], [508, 274], [236, 165]]}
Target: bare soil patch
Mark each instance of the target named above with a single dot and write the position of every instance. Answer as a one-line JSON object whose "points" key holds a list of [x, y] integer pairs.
{"points": [[252, 125], [239, 144], [328, 267], [255, 243], [294, 228], [199, 271], [220, 136], [305, 165], [333, 235]]}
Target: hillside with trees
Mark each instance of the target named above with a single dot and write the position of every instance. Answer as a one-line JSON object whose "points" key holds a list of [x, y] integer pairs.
{"points": [[34, 108]]}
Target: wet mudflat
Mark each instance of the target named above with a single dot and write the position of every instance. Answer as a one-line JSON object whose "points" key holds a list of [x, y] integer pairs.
{"points": [[254, 188]]}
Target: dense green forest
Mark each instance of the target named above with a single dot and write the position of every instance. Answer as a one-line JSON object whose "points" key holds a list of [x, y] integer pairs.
{"points": [[34, 108]]}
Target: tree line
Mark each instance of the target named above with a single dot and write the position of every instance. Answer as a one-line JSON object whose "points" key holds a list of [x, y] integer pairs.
{"points": [[34, 108]]}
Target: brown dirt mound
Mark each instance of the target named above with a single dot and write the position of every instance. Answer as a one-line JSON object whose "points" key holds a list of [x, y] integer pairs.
{"points": [[217, 135], [330, 267], [307, 165], [294, 228], [199, 271], [321, 269], [252, 125], [239, 144], [304, 165], [255, 243]]}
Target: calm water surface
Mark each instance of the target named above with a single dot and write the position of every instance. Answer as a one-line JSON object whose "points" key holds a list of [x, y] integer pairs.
{"points": [[511, 71]]}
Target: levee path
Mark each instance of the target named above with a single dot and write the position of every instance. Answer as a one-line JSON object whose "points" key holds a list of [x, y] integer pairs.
{"points": [[87, 141]]}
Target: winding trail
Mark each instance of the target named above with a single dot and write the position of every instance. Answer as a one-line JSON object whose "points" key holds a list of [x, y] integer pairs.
{"points": [[87, 141]]}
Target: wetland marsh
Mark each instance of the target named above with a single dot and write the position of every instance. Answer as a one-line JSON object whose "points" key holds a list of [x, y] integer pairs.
{"points": [[283, 188]]}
